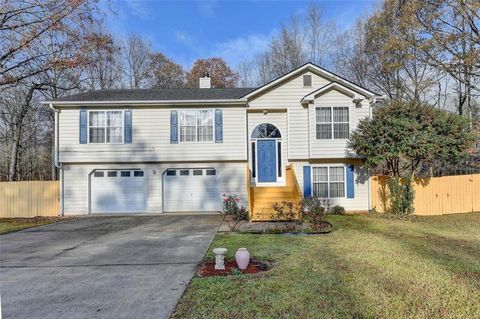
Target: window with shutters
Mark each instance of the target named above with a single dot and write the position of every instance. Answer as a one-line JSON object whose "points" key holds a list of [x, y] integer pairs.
{"points": [[332, 123], [105, 127], [196, 125], [328, 181]]}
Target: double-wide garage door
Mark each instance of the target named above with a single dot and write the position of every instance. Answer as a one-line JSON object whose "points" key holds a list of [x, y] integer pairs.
{"points": [[191, 190], [119, 191]]}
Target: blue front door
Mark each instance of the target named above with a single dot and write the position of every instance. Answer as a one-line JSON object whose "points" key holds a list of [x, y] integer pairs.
{"points": [[267, 167]]}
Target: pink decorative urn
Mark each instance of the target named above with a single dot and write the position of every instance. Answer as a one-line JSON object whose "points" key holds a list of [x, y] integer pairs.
{"points": [[242, 257]]}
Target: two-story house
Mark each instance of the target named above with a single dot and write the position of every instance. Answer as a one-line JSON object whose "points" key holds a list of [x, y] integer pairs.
{"points": [[180, 150]]}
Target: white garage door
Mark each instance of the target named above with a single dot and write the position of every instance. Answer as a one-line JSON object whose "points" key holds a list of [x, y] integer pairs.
{"points": [[191, 190], [122, 191]]}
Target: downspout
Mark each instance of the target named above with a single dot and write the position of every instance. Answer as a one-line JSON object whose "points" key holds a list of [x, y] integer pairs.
{"points": [[57, 163]]}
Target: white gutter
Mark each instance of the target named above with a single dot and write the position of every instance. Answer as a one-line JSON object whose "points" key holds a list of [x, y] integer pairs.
{"points": [[149, 103], [56, 161]]}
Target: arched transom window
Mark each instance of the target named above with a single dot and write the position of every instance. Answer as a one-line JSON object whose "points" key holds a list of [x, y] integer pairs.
{"points": [[266, 130]]}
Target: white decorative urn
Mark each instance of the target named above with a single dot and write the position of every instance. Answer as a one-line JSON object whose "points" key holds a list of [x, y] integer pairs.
{"points": [[220, 258], [242, 257]]}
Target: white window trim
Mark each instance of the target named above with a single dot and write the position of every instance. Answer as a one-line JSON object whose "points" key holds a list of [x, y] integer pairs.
{"points": [[331, 122], [196, 126], [105, 126], [328, 179]]}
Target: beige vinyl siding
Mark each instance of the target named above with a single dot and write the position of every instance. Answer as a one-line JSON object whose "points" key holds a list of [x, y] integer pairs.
{"points": [[151, 140], [279, 119], [334, 148], [361, 200], [288, 95], [232, 178]]}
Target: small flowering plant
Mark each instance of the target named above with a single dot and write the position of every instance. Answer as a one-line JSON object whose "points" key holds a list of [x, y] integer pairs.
{"points": [[230, 207]]}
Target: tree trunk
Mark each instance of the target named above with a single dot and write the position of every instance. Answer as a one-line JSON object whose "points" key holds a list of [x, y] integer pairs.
{"points": [[17, 133]]}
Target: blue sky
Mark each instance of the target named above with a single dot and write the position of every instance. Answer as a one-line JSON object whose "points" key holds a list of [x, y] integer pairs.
{"points": [[234, 30]]}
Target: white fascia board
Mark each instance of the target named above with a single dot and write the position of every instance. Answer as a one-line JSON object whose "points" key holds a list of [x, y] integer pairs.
{"points": [[336, 86], [315, 69], [149, 103]]}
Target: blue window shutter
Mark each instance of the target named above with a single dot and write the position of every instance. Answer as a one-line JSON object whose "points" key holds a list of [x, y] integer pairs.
{"points": [[173, 127], [307, 181], [83, 126], [218, 126], [350, 182], [128, 127]]}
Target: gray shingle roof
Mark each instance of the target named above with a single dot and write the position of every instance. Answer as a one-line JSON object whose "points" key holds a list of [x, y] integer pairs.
{"points": [[157, 95]]}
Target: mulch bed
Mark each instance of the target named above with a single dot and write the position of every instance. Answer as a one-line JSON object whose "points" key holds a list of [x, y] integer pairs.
{"points": [[292, 229], [207, 268]]}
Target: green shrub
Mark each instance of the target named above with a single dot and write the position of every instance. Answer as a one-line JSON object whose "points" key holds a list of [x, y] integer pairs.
{"points": [[230, 207], [337, 210], [284, 211], [402, 196], [312, 211]]}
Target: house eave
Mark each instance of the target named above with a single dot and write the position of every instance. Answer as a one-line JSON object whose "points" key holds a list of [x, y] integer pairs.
{"points": [[236, 102]]}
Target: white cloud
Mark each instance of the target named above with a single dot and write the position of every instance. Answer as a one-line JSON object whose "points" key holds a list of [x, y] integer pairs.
{"points": [[139, 8], [207, 8], [183, 38], [240, 49]]}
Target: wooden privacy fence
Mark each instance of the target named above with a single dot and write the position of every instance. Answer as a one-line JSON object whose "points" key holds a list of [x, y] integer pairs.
{"points": [[29, 199], [435, 196]]}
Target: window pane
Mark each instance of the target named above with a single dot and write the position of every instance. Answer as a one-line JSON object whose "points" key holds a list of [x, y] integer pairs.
{"points": [[97, 118], [205, 117], [341, 130], [138, 173], [125, 174], [112, 174], [324, 131], [254, 163], [187, 118], [184, 172], [97, 135], [340, 114], [279, 158], [197, 172], [205, 133], [211, 172], [337, 174], [98, 174], [187, 134], [114, 135], [114, 118], [320, 174], [337, 190], [324, 115], [171, 172], [320, 190]]}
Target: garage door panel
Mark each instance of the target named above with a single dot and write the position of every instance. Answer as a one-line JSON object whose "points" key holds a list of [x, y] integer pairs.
{"points": [[118, 194], [194, 192]]}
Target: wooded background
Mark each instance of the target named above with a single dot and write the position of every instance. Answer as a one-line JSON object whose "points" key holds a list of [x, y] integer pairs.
{"points": [[407, 50]]}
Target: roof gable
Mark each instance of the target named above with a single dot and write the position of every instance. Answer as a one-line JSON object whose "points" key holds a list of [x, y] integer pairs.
{"points": [[316, 70], [355, 95]]}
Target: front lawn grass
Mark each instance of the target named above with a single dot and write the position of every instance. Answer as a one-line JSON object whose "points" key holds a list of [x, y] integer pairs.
{"points": [[8, 225], [368, 267]]}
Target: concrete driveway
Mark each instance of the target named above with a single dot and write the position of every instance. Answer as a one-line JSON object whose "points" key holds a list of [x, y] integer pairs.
{"points": [[102, 267]]}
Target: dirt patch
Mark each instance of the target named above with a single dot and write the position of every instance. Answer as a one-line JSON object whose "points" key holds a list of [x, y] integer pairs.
{"points": [[207, 268]]}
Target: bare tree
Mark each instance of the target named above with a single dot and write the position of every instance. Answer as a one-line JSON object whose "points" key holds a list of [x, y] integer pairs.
{"points": [[247, 74], [321, 34], [136, 53], [25, 24], [103, 70]]}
